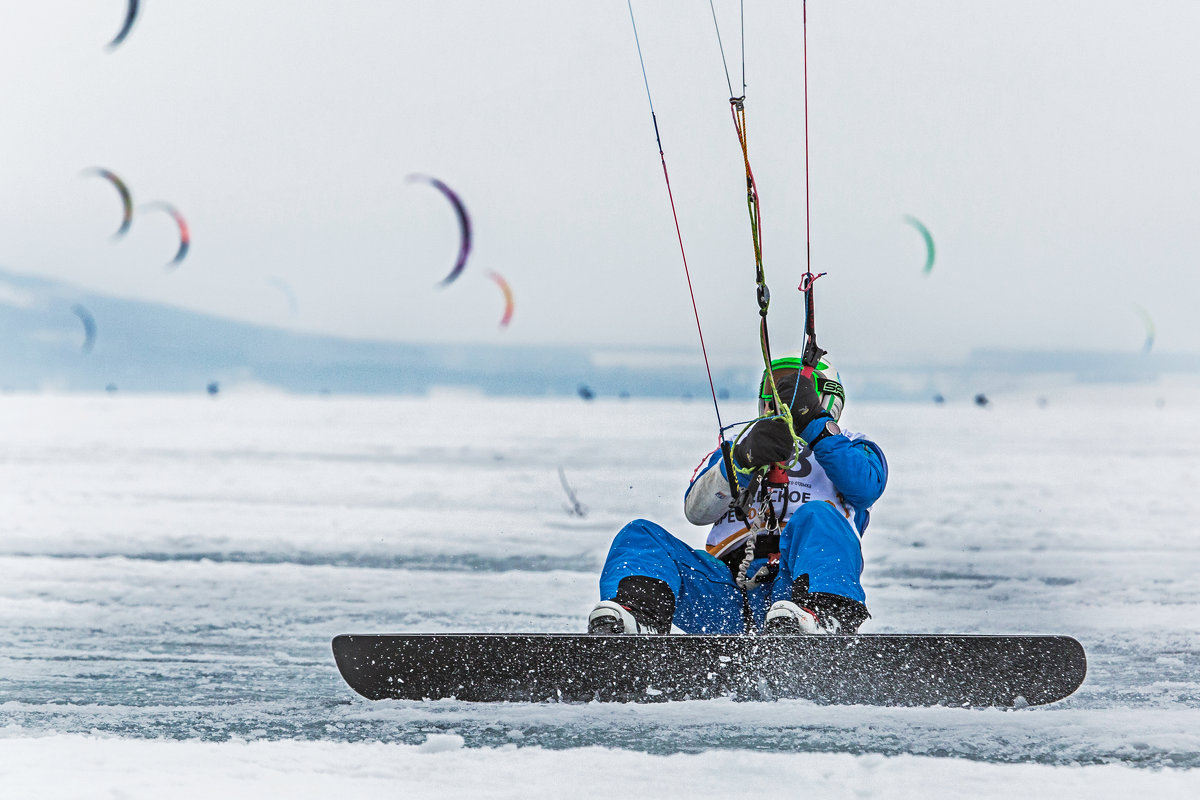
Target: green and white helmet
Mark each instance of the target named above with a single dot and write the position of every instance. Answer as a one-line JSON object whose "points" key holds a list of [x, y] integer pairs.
{"points": [[826, 380]]}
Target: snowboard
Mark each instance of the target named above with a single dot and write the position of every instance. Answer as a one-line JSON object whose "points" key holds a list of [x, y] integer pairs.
{"points": [[870, 669]]}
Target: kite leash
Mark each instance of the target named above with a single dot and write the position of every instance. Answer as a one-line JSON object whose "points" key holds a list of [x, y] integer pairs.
{"points": [[737, 107], [757, 496], [754, 503]]}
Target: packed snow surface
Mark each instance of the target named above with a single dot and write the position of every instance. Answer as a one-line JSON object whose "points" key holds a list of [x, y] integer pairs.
{"points": [[172, 570]]}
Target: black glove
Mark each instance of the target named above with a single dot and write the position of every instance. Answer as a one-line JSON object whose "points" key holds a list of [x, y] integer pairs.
{"points": [[767, 442], [803, 400]]}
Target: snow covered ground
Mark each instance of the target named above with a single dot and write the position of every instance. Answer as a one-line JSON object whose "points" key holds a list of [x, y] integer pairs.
{"points": [[172, 570]]}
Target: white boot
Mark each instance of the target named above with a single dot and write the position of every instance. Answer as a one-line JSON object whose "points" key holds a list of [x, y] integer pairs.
{"points": [[786, 617], [613, 618]]}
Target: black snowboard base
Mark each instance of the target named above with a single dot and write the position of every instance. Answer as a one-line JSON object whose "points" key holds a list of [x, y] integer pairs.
{"points": [[869, 669]]}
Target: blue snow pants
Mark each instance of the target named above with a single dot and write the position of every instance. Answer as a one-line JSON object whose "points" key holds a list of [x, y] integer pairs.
{"points": [[817, 541]]}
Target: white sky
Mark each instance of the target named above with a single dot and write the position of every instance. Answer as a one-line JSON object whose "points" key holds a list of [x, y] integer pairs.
{"points": [[1050, 147]]}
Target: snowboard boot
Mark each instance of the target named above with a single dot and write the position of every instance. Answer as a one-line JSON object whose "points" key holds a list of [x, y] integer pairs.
{"points": [[609, 618], [814, 612], [785, 617], [641, 605]]}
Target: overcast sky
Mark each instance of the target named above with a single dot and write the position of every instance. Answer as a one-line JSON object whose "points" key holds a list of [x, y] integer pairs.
{"points": [[1050, 147]]}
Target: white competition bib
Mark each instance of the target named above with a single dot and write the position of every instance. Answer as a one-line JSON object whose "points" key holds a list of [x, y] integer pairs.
{"points": [[807, 483]]}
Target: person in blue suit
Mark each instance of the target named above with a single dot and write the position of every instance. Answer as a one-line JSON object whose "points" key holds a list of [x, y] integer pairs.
{"points": [[802, 576]]}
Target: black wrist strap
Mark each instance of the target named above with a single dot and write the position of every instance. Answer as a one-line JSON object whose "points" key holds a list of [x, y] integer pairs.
{"points": [[824, 431]]}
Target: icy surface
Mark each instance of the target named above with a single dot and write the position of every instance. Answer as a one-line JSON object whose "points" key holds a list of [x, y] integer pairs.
{"points": [[172, 571]]}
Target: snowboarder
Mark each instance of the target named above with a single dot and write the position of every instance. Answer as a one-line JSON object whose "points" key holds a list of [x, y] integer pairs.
{"points": [[803, 577]]}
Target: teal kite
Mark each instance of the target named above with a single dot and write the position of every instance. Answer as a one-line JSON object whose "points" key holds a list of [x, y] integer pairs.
{"points": [[928, 237]]}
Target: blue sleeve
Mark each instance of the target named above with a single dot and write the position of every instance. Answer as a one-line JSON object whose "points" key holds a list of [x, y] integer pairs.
{"points": [[857, 468]]}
